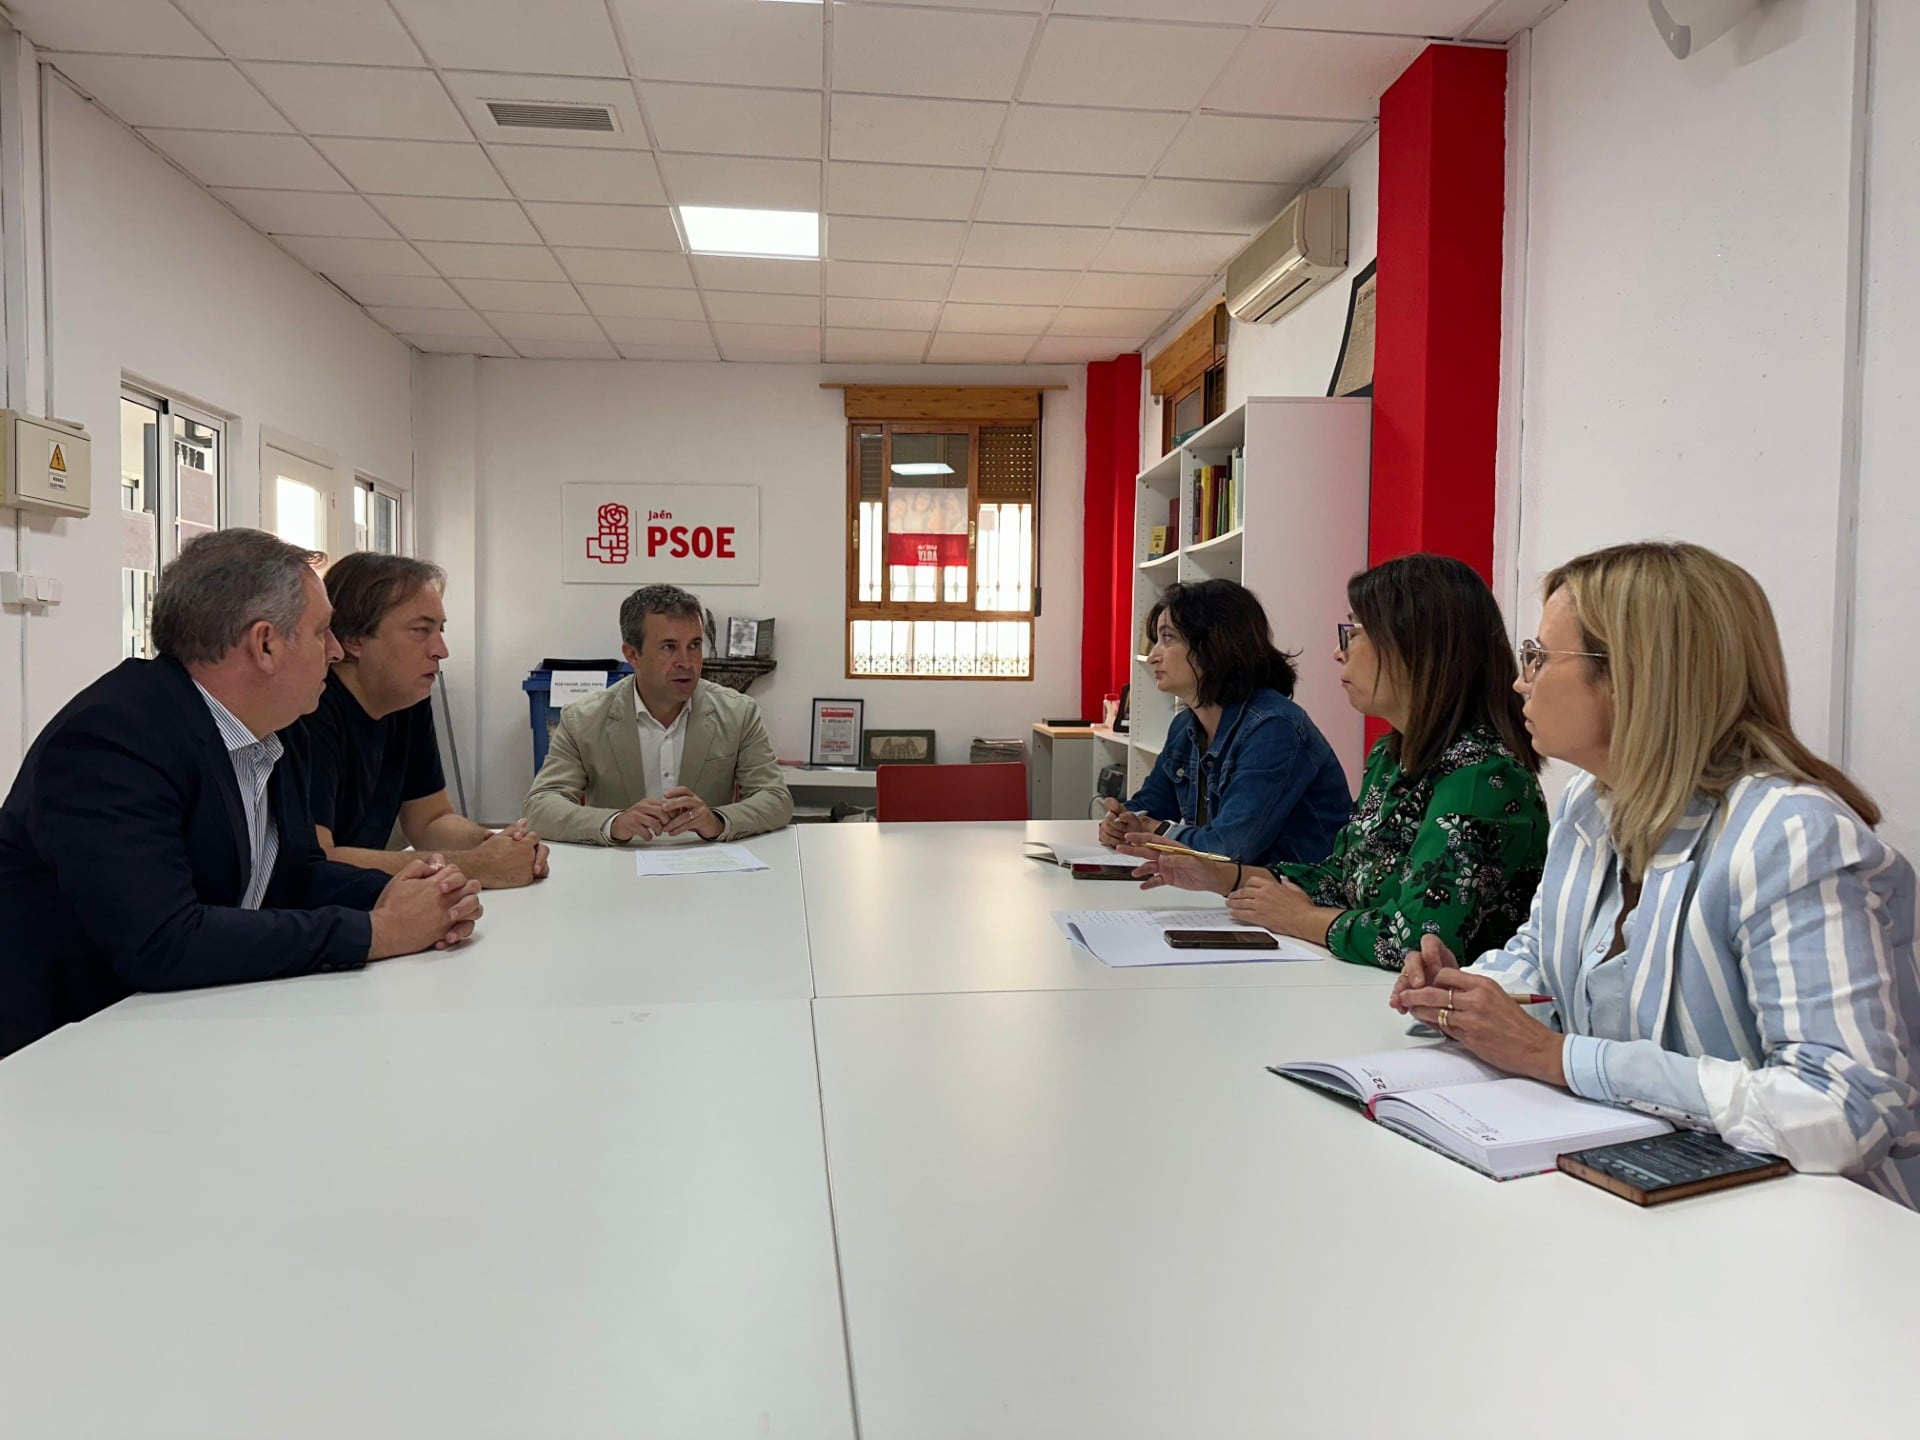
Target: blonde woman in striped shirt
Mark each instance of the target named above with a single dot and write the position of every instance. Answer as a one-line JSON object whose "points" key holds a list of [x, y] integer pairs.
{"points": [[1727, 942]]}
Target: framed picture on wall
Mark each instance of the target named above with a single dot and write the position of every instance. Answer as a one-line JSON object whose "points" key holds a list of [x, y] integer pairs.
{"points": [[1353, 371], [896, 747], [837, 727]]}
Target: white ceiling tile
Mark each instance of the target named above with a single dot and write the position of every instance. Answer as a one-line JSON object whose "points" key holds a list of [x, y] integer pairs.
{"points": [[630, 351], [887, 282], [113, 27], [726, 307], [425, 292], [1226, 12], [409, 321], [928, 52], [431, 218], [257, 162], [565, 350], [308, 212], [914, 132], [757, 45], [1167, 252], [1129, 64], [1098, 142], [472, 89], [1033, 247], [626, 267], [555, 172], [1135, 324], [1012, 287], [1031, 6], [526, 297], [381, 104], [872, 347], [357, 257], [1079, 350], [190, 94], [760, 277], [768, 342], [1509, 17], [1308, 73], [846, 313], [851, 237], [341, 32], [1443, 19], [1033, 198], [612, 227], [460, 345], [555, 37], [1212, 205], [644, 302], [515, 326], [742, 182], [1027, 320], [979, 349], [416, 167], [636, 330], [1134, 291], [1233, 147], [910, 192], [725, 121], [462, 261]]}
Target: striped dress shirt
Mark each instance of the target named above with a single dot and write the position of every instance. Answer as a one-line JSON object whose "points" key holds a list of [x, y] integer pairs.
{"points": [[253, 760]]}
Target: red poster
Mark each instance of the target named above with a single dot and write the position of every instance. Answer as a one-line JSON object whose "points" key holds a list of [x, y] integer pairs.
{"points": [[927, 550]]}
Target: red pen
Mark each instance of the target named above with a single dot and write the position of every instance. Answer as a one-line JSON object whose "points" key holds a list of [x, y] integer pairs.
{"points": [[1532, 999]]}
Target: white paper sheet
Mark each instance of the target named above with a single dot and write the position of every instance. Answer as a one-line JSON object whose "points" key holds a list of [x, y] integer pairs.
{"points": [[1079, 854], [1126, 938], [567, 686], [703, 860]]}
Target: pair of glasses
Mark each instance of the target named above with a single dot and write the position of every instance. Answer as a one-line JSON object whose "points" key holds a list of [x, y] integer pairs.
{"points": [[1344, 631], [1533, 655]]}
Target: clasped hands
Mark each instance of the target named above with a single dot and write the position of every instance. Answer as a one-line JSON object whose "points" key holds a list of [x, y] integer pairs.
{"points": [[675, 813], [1478, 1012]]}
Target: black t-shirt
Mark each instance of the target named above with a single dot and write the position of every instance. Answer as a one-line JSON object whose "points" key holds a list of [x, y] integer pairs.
{"points": [[365, 769]]}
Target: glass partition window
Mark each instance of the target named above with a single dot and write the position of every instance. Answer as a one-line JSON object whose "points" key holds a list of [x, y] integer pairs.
{"points": [[172, 488], [376, 517]]}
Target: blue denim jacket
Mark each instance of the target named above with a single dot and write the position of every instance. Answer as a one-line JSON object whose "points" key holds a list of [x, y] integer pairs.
{"points": [[1275, 790]]}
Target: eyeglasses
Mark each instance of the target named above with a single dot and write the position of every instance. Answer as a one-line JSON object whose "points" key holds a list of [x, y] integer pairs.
{"points": [[1344, 631], [1533, 655]]}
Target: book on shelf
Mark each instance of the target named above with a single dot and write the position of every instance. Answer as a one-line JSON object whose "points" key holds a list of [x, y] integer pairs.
{"points": [[1156, 542], [1499, 1124], [1217, 504]]}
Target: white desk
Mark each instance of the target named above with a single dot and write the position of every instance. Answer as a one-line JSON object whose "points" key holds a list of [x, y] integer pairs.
{"points": [[592, 1223], [591, 933], [1094, 1214], [929, 909]]}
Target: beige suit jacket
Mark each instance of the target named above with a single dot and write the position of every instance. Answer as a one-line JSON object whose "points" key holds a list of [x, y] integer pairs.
{"points": [[593, 768]]}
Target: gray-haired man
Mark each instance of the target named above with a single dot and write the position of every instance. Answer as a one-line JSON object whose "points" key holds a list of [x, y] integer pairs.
{"points": [[158, 837], [661, 753]]}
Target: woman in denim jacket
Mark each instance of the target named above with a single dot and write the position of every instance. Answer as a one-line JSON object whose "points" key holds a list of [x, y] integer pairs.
{"points": [[1244, 771]]}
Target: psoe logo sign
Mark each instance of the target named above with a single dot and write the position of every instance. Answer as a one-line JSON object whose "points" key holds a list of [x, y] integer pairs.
{"points": [[634, 534]]}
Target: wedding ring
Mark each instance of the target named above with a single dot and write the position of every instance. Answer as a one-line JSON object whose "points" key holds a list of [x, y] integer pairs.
{"points": [[1444, 1013]]}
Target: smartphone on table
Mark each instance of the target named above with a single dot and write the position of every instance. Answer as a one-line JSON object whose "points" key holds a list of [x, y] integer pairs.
{"points": [[1221, 940]]}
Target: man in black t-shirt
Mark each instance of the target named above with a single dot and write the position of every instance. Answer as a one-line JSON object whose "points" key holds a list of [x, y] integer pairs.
{"points": [[376, 757]]}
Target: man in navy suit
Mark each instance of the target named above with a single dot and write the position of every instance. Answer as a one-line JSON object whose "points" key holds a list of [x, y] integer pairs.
{"points": [[158, 836]]}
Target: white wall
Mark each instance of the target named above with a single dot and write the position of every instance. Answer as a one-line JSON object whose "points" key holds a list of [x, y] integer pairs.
{"points": [[151, 277], [540, 424], [1689, 281]]}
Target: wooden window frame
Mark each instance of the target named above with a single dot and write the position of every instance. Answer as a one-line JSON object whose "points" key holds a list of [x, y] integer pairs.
{"points": [[1195, 359]]}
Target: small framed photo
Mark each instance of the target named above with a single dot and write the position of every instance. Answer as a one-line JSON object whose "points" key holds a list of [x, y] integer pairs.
{"points": [[837, 728], [896, 747], [749, 639]]}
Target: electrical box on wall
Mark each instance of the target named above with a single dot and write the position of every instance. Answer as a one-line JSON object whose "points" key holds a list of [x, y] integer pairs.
{"points": [[47, 464]]}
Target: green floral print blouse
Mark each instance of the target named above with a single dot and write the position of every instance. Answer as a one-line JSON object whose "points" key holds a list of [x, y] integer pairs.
{"points": [[1456, 852]]}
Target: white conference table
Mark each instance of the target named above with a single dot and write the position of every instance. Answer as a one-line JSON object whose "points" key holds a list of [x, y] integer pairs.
{"points": [[609, 1171], [935, 909]]}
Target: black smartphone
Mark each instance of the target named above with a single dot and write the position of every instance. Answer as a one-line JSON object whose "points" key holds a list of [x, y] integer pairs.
{"points": [[1221, 940], [1670, 1167]]}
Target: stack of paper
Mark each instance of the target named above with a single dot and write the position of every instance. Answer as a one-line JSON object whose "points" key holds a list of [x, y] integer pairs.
{"points": [[1124, 938], [703, 860]]}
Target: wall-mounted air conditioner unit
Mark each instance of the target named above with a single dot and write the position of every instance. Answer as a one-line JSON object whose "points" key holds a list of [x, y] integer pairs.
{"points": [[1293, 257]]}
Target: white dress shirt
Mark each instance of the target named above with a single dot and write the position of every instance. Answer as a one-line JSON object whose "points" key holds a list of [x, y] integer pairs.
{"points": [[253, 761], [661, 747]]}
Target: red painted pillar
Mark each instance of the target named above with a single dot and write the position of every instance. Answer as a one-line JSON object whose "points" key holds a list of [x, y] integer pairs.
{"points": [[1113, 459], [1436, 378]]}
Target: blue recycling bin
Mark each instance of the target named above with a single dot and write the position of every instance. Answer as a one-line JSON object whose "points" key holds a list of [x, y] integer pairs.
{"points": [[539, 685]]}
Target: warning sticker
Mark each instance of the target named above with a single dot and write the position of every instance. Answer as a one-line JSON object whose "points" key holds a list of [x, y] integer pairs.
{"points": [[59, 460]]}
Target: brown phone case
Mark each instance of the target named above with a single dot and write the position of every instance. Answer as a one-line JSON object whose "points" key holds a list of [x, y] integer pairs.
{"points": [[1627, 1190], [1221, 940]]}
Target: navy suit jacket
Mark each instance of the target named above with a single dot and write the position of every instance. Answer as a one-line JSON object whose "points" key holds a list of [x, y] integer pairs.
{"points": [[124, 856]]}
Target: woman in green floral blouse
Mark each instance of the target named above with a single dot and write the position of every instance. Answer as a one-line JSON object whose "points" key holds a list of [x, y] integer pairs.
{"points": [[1450, 833]]}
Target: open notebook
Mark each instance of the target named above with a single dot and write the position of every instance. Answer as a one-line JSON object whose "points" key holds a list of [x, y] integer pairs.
{"points": [[1084, 862], [1498, 1124]]}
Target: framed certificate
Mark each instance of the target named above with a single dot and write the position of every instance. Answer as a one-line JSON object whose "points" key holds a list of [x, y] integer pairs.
{"points": [[837, 728]]}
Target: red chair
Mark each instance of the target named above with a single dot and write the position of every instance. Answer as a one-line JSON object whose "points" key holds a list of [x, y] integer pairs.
{"points": [[951, 792]]}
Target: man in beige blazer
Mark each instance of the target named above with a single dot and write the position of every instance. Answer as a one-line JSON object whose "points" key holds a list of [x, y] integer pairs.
{"points": [[662, 752]]}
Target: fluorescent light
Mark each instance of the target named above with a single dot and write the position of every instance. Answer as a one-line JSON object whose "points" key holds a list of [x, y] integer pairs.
{"points": [[930, 467], [714, 231]]}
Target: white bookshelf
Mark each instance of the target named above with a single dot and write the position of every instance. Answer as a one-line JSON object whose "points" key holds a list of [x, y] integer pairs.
{"points": [[1304, 532]]}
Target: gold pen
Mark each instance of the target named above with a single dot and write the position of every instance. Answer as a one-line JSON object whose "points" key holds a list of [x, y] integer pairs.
{"points": [[1182, 850]]}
